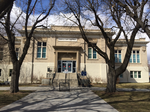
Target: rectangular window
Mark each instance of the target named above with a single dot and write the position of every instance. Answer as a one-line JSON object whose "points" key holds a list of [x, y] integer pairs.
{"points": [[117, 56], [121, 75], [41, 50], [74, 66], [91, 53], [135, 74], [139, 74], [10, 72], [131, 74], [59, 66], [1, 53], [135, 57], [0, 72], [17, 53]]}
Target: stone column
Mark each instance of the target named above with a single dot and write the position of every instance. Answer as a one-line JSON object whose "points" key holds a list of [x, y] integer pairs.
{"points": [[77, 63], [56, 61]]}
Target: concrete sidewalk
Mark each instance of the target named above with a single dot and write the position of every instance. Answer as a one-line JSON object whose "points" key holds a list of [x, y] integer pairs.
{"points": [[45, 99], [77, 88]]}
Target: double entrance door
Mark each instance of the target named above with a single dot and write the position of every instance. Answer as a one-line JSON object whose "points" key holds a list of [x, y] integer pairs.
{"points": [[67, 66]]}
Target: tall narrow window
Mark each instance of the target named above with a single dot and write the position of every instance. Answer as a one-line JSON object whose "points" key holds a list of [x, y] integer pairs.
{"points": [[74, 66], [17, 53], [10, 72], [0, 72], [91, 53], [117, 56], [1, 53], [41, 50], [135, 57]]}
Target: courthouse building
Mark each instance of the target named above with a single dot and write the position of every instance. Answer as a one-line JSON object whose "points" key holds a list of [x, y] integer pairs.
{"points": [[61, 49]]}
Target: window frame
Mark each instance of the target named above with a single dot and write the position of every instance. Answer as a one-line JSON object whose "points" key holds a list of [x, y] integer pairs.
{"points": [[17, 52], [92, 53], [10, 72], [1, 51], [136, 56], [41, 50], [135, 76], [121, 76], [118, 58], [0, 72]]}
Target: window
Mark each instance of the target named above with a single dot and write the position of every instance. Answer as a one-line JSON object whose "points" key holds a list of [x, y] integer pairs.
{"points": [[61, 65], [0, 72], [74, 66], [117, 56], [10, 72], [17, 53], [135, 56], [1, 53], [41, 50], [91, 53], [121, 75], [135, 74]]}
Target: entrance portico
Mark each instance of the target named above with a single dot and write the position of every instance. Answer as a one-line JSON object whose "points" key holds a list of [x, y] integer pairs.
{"points": [[67, 58]]}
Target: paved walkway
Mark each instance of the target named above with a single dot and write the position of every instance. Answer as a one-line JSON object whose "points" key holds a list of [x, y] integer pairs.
{"points": [[78, 88], [46, 99]]}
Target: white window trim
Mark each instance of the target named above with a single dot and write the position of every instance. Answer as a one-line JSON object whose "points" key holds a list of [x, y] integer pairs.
{"points": [[137, 75], [92, 53], [135, 55], [118, 56], [41, 51]]}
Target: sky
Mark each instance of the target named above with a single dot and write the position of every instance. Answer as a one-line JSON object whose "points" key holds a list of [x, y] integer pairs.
{"points": [[57, 19]]}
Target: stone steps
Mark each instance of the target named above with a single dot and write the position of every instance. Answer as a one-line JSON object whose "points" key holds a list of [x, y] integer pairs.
{"points": [[70, 77]]}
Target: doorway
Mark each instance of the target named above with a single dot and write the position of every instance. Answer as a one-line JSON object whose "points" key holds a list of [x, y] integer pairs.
{"points": [[70, 66], [67, 66]]}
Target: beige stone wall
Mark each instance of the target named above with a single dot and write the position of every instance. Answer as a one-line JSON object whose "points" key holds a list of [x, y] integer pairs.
{"points": [[74, 50]]}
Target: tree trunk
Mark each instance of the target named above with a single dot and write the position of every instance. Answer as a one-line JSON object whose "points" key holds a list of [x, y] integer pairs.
{"points": [[14, 88], [111, 80]]}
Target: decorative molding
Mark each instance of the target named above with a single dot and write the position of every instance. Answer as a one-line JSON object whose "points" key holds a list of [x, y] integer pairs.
{"points": [[67, 39]]}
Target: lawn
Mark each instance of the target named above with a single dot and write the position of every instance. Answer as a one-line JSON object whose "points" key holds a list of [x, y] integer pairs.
{"points": [[24, 85], [127, 85], [7, 98], [127, 101]]}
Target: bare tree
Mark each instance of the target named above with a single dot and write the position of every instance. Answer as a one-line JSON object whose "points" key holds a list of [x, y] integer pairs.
{"points": [[28, 6], [4, 6], [117, 15], [139, 11]]}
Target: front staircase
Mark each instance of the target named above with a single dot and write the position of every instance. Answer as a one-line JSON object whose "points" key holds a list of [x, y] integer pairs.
{"points": [[70, 78]]}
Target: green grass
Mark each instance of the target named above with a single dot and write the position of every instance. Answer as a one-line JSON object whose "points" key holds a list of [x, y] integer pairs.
{"points": [[127, 85], [127, 101], [7, 98]]}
